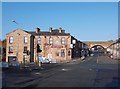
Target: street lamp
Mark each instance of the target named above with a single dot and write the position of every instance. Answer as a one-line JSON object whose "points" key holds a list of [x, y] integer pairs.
{"points": [[14, 22], [17, 46]]}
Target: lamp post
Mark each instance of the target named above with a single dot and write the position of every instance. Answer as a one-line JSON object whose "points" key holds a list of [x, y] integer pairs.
{"points": [[18, 39], [17, 46]]}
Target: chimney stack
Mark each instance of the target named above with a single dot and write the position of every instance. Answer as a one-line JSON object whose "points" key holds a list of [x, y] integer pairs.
{"points": [[61, 30], [37, 30], [50, 30]]}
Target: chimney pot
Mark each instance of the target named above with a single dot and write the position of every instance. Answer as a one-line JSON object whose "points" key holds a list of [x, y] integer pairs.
{"points": [[60, 30], [50, 29], [37, 30]]}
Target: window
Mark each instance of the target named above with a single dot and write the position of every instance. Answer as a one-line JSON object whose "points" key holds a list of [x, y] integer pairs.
{"points": [[25, 49], [10, 48], [63, 40], [69, 53], [25, 59], [39, 40], [11, 39], [62, 53], [51, 40], [25, 40]]}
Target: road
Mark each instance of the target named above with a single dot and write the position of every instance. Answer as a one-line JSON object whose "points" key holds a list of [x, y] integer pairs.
{"points": [[95, 71]]}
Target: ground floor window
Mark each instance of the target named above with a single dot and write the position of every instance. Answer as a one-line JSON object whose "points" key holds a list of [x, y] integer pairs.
{"points": [[25, 59], [69, 53], [62, 53], [12, 60]]}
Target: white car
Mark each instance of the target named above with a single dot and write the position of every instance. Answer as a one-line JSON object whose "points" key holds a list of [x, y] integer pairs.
{"points": [[43, 60], [46, 60]]}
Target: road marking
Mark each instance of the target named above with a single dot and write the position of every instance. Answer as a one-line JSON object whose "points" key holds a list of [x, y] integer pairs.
{"points": [[37, 73], [90, 69], [65, 69]]}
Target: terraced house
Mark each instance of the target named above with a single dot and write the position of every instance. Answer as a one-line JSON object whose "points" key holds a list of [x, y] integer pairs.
{"points": [[27, 46]]}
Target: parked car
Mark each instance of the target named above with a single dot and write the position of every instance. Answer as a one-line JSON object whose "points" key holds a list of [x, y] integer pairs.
{"points": [[14, 64], [53, 61], [44, 60], [4, 64]]}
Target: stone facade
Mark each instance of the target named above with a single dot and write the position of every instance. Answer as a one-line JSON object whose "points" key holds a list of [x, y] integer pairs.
{"points": [[55, 45], [16, 52], [114, 50], [104, 44], [53, 51]]}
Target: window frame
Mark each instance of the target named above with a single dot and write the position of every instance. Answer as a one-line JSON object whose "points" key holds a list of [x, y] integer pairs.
{"points": [[50, 40], [24, 48], [10, 47], [63, 40], [39, 40], [62, 52], [25, 39], [11, 39]]}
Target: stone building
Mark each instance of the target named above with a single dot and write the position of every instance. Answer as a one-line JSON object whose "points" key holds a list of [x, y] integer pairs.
{"points": [[27, 46], [114, 50]]}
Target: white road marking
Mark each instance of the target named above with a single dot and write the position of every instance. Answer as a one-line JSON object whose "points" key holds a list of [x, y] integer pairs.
{"points": [[65, 69], [37, 73], [90, 69]]}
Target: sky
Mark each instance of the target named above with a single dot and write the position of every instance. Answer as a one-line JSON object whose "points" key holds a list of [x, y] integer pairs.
{"points": [[87, 21]]}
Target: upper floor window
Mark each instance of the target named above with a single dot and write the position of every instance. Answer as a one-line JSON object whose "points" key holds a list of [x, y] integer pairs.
{"points": [[10, 48], [11, 39], [51, 40], [39, 40], [25, 39], [25, 48], [63, 40]]}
